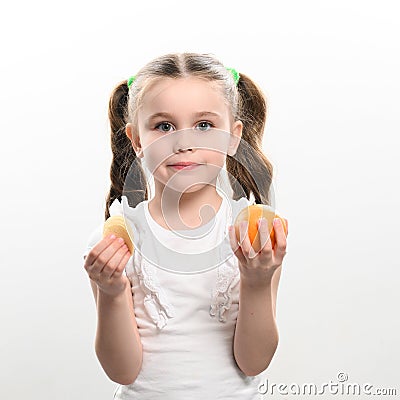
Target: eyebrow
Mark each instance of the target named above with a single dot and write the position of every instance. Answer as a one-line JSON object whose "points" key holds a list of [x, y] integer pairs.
{"points": [[198, 114]]}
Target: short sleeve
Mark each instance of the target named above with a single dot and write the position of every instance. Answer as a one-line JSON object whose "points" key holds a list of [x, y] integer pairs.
{"points": [[116, 208], [93, 239], [238, 205]]}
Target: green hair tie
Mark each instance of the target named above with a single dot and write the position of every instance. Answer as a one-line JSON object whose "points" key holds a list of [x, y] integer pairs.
{"points": [[131, 80], [235, 74]]}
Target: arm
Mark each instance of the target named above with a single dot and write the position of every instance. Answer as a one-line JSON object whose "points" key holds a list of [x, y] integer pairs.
{"points": [[118, 346], [256, 334]]}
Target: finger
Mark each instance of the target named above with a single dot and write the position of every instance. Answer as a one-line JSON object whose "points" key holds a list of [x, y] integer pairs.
{"points": [[108, 253], [113, 263], [124, 260], [104, 260], [247, 248], [244, 238], [280, 245], [264, 233], [97, 250], [235, 245], [114, 260], [232, 238], [287, 226]]}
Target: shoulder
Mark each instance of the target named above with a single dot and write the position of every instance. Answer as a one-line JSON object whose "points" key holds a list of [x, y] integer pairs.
{"points": [[238, 205]]}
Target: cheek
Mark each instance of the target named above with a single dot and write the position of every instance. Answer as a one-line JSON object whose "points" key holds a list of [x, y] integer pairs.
{"points": [[216, 142], [216, 156], [156, 152]]}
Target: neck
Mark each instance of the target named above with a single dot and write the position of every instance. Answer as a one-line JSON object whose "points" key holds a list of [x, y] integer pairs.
{"points": [[186, 210]]}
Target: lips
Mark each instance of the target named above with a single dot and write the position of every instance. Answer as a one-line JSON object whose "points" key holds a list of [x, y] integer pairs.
{"points": [[183, 163]]}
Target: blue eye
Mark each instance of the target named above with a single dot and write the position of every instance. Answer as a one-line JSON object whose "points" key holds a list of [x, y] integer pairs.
{"points": [[165, 126], [204, 125]]}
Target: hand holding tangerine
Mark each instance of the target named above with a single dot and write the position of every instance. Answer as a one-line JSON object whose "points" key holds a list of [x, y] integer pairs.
{"points": [[106, 261], [251, 214]]}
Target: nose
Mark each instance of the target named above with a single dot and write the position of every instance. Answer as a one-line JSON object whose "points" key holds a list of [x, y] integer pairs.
{"points": [[180, 149], [182, 142]]}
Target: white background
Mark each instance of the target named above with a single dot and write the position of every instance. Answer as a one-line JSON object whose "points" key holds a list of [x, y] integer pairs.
{"points": [[329, 70]]}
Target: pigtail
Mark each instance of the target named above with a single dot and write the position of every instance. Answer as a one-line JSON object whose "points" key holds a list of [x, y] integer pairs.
{"points": [[126, 171], [249, 169]]}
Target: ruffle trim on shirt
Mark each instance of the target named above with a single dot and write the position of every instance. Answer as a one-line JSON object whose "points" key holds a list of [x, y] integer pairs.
{"points": [[227, 277], [155, 301]]}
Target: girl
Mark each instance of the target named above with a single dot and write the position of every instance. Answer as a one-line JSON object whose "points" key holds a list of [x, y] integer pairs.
{"points": [[186, 119]]}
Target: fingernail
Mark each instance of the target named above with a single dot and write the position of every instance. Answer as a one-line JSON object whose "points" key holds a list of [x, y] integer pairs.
{"points": [[112, 236]]}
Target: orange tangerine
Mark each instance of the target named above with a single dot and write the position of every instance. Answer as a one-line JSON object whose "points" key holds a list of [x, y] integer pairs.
{"points": [[116, 225], [251, 214]]}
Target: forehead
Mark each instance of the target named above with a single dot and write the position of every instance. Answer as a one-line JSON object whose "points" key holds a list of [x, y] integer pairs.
{"points": [[183, 95]]}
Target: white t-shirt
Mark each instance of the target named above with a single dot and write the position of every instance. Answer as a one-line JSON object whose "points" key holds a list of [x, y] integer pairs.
{"points": [[185, 287]]}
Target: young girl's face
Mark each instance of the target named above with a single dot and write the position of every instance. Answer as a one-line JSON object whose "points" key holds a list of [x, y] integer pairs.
{"points": [[184, 120]]}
